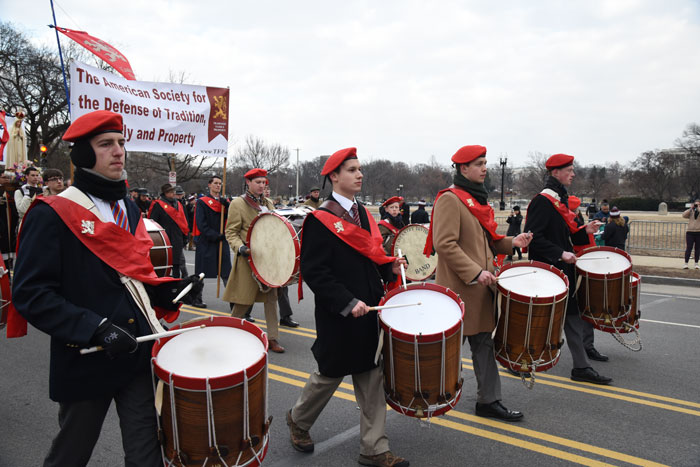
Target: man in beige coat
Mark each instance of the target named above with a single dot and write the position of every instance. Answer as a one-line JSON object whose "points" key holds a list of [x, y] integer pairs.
{"points": [[242, 290], [464, 236]]}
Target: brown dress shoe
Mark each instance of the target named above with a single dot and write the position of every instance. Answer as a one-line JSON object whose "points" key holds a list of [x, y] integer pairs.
{"points": [[385, 459], [275, 346], [301, 440]]}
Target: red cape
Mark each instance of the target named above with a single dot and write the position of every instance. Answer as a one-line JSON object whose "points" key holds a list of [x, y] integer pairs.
{"points": [[564, 211], [212, 204], [119, 249], [177, 214]]}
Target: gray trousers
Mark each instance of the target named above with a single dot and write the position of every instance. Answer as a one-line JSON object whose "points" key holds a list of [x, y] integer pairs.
{"points": [[369, 392], [588, 338], [488, 382], [81, 422], [574, 330]]}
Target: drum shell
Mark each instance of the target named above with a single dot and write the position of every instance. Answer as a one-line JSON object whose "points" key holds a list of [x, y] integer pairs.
{"points": [[419, 267], [632, 321], [161, 254], [5, 293], [293, 226], [540, 352], [227, 394], [430, 358], [593, 306]]}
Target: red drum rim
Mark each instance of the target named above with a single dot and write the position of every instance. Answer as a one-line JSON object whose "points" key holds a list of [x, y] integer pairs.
{"points": [[297, 249], [612, 275], [444, 407], [394, 253], [222, 382], [538, 300], [422, 338]]}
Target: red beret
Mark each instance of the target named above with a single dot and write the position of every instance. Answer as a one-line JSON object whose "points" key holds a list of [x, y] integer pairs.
{"points": [[574, 202], [558, 161], [393, 199], [338, 158], [93, 123], [255, 173], [466, 154]]}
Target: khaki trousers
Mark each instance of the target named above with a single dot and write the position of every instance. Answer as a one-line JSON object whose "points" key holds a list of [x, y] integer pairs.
{"points": [[270, 305], [369, 392]]}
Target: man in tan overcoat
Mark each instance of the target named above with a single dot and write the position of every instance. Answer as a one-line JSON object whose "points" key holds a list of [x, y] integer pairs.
{"points": [[242, 290], [464, 235]]}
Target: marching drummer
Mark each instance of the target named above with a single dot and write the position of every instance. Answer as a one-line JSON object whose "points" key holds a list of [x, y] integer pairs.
{"points": [[169, 213], [463, 233], [242, 290], [314, 201], [393, 221], [83, 277], [554, 227], [341, 254]]}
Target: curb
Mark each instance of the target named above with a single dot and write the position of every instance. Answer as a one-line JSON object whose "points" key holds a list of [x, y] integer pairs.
{"points": [[663, 280]]}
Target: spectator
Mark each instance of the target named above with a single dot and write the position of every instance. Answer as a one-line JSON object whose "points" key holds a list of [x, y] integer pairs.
{"points": [[615, 233], [591, 210], [28, 192], [314, 201], [515, 220], [420, 215], [53, 178], [692, 235], [603, 214]]}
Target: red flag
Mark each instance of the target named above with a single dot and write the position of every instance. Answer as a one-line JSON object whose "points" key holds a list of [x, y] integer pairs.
{"points": [[103, 50], [4, 135]]}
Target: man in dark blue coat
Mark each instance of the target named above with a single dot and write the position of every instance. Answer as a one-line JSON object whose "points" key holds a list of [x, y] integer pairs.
{"points": [[81, 269], [209, 236], [346, 278]]}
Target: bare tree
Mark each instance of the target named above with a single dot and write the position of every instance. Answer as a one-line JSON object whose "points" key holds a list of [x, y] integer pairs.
{"points": [[256, 153], [532, 179], [653, 173]]}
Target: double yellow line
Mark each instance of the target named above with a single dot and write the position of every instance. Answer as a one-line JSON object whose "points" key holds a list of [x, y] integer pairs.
{"points": [[345, 391]]}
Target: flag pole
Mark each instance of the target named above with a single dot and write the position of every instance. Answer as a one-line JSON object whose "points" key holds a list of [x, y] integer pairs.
{"points": [[60, 54], [221, 230]]}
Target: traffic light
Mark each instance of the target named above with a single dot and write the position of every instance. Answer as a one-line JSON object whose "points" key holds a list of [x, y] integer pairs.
{"points": [[43, 149]]}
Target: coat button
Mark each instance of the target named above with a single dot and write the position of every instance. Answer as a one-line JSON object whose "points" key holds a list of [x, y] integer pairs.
{"points": [[131, 321]]}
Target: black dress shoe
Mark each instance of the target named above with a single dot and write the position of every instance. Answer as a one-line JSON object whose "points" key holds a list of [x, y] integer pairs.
{"points": [[497, 410], [249, 318], [289, 322], [199, 305], [593, 354], [589, 375], [517, 373]]}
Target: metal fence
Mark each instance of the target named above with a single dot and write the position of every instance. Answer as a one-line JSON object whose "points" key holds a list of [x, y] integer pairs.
{"points": [[656, 236]]}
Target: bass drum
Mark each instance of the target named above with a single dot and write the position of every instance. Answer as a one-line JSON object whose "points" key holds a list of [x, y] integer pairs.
{"points": [[161, 253], [411, 241]]}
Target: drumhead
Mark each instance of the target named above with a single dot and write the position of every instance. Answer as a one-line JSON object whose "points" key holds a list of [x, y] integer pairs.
{"points": [[210, 352], [411, 241], [537, 283], [438, 312], [151, 225], [273, 249], [603, 262]]}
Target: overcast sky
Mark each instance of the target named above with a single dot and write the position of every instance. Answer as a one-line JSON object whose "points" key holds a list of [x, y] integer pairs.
{"points": [[404, 80]]}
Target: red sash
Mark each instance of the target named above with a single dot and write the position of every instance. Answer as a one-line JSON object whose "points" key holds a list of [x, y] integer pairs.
{"points": [[565, 213], [483, 213], [212, 204], [123, 252], [175, 213], [389, 226]]}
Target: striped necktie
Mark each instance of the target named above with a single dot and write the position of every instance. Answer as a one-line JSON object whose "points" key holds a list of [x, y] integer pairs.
{"points": [[355, 214], [119, 215]]}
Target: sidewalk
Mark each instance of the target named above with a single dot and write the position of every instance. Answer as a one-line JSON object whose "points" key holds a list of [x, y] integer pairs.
{"points": [[664, 270]]}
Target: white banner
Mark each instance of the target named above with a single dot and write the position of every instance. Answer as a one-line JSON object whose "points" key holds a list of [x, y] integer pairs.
{"points": [[158, 117]]}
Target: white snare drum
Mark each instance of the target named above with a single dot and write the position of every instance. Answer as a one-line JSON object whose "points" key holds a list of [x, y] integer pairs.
{"points": [[215, 394], [273, 238], [411, 241], [422, 349]]}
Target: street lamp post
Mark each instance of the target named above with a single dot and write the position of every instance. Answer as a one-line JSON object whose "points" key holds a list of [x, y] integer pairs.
{"points": [[503, 161], [399, 190], [297, 150], [290, 191]]}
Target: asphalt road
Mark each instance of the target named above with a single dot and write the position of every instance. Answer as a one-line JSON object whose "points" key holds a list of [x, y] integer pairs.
{"points": [[649, 416]]}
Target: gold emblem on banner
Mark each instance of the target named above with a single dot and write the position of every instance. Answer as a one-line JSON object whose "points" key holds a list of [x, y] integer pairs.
{"points": [[220, 104]]}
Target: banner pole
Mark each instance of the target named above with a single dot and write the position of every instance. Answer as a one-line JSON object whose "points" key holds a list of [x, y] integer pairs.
{"points": [[221, 230], [60, 55]]}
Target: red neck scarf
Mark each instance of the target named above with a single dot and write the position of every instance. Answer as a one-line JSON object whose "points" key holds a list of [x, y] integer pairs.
{"points": [[483, 213], [209, 202], [175, 213], [389, 226], [565, 213]]}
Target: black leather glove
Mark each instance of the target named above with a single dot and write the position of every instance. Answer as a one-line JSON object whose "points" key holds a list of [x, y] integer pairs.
{"points": [[222, 237], [163, 295], [114, 340], [244, 251]]}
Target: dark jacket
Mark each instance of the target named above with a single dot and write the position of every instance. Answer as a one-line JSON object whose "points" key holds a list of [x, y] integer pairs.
{"points": [[206, 256], [615, 235], [177, 238], [337, 274], [64, 290], [420, 216], [514, 223]]}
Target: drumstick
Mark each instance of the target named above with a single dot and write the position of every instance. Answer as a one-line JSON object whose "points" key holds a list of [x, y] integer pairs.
{"points": [[150, 337], [403, 272], [386, 307], [187, 289], [506, 277], [584, 259]]}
